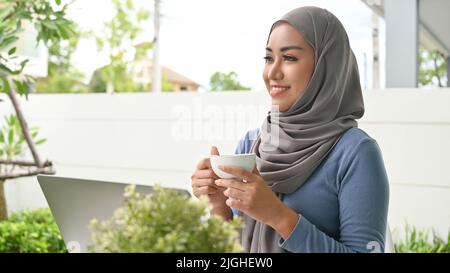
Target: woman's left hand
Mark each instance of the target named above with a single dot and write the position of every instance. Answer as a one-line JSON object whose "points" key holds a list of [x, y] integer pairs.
{"points": [[253, 196]]}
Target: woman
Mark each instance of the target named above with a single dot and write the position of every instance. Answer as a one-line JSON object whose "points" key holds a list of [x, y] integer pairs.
{"points": [[319, 184]]}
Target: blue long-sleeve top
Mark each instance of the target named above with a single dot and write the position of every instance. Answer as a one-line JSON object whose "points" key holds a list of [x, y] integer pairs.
{"points": [[343, 205]]}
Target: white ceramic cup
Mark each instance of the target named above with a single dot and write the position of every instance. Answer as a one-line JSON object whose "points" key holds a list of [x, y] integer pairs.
{"points": [[246, 161]]}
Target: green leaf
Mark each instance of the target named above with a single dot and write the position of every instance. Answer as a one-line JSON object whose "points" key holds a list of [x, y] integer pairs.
{"points": [[58, 2], [6, 69], [22, 88], [49, 24], [5, 11], [40, 141], [24, 62], [11, 135], [6, 88], [7, 42], [21, 141], [22, 66], [14, 120], [63, 32], [12, 51]]}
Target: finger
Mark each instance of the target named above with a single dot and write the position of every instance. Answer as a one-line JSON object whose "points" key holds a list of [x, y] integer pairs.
{"points": [[239, 172], [234, 193], [204, 190], [255, 171], [208, 173], [231, 183], [234, 203], [204, 182], [214, 150], [204, 164]]}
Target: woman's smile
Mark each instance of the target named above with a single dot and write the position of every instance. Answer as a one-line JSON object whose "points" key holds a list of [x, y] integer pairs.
{"points": [[278, 90]]}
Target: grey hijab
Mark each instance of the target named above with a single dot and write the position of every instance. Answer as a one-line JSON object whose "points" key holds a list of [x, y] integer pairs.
{"points": [[291, 144]]}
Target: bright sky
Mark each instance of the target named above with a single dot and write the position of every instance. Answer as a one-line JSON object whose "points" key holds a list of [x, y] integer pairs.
{"points": [[200, 37]]}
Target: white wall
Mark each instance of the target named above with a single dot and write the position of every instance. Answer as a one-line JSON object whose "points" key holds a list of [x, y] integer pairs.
{"points": [[160, 138]]}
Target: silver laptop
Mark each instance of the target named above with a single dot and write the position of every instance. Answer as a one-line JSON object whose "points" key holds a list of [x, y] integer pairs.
{"points": [[75, 202]]}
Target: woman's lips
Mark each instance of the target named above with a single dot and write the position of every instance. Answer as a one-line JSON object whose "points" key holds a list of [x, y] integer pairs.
{"points": [[277, 91]]}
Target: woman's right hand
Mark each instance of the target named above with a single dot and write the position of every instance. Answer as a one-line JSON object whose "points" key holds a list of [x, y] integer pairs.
{"points": [[202, 182]]}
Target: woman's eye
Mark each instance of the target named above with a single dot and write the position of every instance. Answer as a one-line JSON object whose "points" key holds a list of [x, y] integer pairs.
{"points": [[290, 58], [267, 58], [286, 58]]}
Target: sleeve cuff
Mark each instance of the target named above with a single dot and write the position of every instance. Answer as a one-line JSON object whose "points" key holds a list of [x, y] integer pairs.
{"points": [[297, 236], [234, 212]]}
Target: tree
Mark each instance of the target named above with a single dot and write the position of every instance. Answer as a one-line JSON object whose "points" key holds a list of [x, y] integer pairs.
{"points": [[166, 86], [52, 26], [118, 35], [98, 83], [220, 81], [433, 67], [63, 77]]}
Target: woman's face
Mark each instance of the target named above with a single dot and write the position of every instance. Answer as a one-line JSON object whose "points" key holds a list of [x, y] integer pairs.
{"points": [[289, 65]]}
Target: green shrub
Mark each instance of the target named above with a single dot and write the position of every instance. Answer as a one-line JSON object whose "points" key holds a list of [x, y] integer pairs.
{"points": [[164, 221], [419, 241], [31, 231]]}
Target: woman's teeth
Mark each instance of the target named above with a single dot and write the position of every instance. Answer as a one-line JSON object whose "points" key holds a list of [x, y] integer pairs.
{"points": [[278, 89]]}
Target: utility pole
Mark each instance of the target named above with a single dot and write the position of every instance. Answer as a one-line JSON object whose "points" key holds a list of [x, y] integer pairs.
{"points": [[365, 72], [376, 52], [156, 69]]}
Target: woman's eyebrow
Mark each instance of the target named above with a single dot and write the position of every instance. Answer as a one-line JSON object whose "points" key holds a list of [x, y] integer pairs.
{"points": [[286, 48]]}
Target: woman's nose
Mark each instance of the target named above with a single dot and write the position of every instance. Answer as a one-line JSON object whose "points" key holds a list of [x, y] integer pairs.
{"points": [[275, 72]]}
